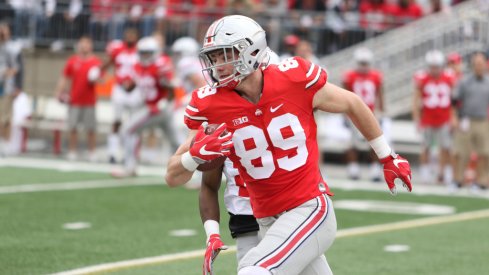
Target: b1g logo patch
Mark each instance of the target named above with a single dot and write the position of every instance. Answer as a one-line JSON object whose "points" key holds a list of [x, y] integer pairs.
{"points": [[239, 121]]}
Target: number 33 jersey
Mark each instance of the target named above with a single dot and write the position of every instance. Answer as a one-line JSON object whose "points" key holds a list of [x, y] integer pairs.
{"points": [[275, 146]]}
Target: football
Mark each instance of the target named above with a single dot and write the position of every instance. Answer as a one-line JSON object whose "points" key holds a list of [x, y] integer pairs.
{"points": [[218, 162]]}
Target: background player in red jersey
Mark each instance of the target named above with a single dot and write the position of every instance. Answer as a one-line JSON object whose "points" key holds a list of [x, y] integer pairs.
{"points": [[83, 70], [432, 112], [152, 75], [126, 98], [269, 114], [366, 82]]}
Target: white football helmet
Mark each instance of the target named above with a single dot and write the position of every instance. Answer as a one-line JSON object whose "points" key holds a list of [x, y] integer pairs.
{"points": [[148, 50], [434, 58], [363, 55], [243, 40], [185, 46]]}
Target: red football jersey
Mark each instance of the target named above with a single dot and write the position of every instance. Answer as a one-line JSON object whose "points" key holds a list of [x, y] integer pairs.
{"points": [[124, 59], [275, 146], [436, 98], [82, 91], [149, 79], [365, 85]]}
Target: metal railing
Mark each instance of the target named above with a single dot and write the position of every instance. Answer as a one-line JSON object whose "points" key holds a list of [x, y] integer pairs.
{"points": [[400, 53], [328, 31]]}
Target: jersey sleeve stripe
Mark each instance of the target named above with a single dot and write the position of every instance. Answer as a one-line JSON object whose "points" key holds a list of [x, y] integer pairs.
{"points": [[200, 118], [193, 109], [311, 69], [312, 82]]}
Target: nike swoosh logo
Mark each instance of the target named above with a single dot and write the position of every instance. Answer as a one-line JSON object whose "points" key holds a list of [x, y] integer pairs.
{"points": [[273, 110], [397, 161], [204, 152]]}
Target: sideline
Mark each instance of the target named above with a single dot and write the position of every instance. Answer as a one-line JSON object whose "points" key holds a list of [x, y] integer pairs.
{"points": [[80, 185], [345, 233]]}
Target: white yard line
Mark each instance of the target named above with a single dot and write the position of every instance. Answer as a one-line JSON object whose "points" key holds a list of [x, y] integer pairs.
{"points": [[79, 185], [345, 233], [159, 171]]}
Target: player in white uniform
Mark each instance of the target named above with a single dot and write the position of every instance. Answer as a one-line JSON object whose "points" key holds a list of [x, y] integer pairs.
{"points": [[126, 98]]}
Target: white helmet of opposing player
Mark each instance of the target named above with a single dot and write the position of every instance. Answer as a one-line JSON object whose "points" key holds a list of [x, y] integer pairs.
{"points": [[243, 44], [363, 55], [185, 46], [434, 58], [148, 50]]}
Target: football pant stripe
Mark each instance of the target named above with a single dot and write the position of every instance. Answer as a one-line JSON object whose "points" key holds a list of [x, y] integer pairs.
{"points": [[298, 237]]}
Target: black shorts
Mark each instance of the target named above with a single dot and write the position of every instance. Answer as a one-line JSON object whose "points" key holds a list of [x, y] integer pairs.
{"points": [[241, 224]]}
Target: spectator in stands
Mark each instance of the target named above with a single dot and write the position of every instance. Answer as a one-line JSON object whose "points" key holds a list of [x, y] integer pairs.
{"points": [[304, 50], [367, 83], [433, 116], [375, 15], [406, 11], [471, 102], [83, 70], [70, 21], [28, 12], [290, 43], [105, 19], [9, 68]]}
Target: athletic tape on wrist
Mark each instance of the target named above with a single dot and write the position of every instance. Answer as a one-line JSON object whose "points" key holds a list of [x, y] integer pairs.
{"points": [[381, 147], [211, 227], [188, 162]]}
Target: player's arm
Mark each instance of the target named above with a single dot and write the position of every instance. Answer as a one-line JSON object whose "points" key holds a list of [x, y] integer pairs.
{"points": [[380, 99], [177, 174], [333, 99], [206, 148], [416, 108], [210, 215], [61, 88]]}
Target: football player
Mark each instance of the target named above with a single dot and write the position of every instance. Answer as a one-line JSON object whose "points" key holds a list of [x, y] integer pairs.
{"points": [[366, 82], [126, 98], [152, 75], [242, 223], [432, 113], [268, 113]]}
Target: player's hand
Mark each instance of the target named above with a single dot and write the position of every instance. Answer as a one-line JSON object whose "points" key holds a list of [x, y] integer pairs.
{"points": [[209, 147], [214, 246], [395, 167]]}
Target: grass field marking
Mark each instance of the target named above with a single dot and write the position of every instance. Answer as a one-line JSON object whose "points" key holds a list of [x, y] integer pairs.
{"points": [[79, 185], [371, 229], [108, 267], [344, 233]]}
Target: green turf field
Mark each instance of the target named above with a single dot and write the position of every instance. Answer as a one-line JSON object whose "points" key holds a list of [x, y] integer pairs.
{"points": [[131, 222]]}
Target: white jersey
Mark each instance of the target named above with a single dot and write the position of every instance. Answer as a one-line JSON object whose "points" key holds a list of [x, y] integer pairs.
{"points": [[186, 67], [236, 197]]}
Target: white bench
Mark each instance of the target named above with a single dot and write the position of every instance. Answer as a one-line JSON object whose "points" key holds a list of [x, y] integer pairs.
{"points": [[50, 114]]}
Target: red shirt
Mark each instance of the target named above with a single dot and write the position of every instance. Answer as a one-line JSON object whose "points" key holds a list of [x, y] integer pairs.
{"points": [[82, 91], [366, 85], [275, 146], [436, 98], [404, 15], [149, 78], [123, 57], [375, 16]]}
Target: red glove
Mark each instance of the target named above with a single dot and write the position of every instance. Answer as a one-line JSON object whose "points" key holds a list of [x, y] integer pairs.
{"points": [[395, 167], [214, 246], [206, 147]]}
